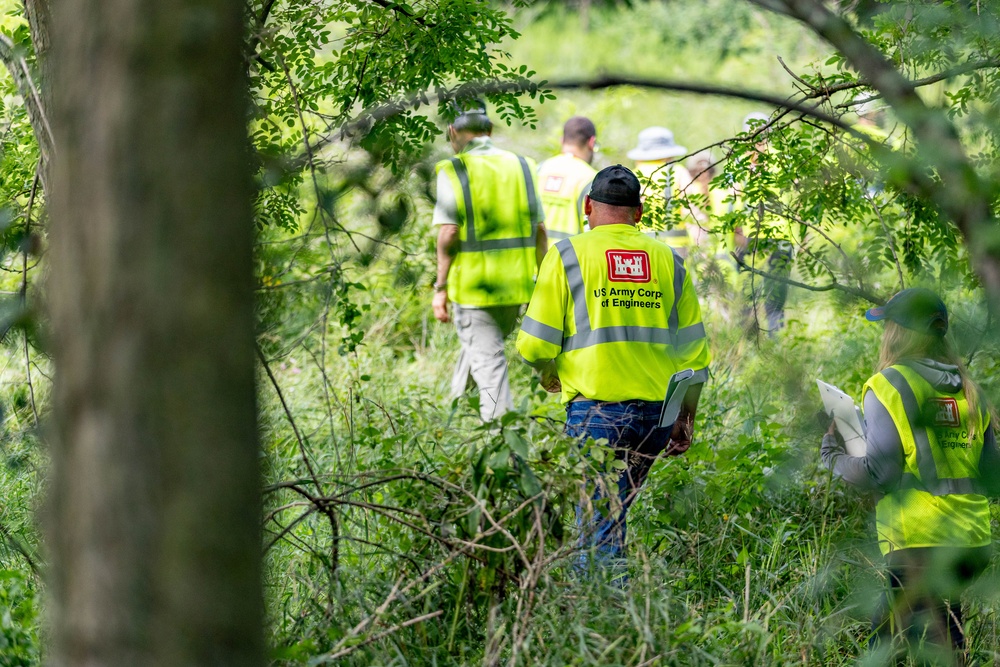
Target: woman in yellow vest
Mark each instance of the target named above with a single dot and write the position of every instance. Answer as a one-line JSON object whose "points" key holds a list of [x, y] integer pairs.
{"points": [[932, 454]]}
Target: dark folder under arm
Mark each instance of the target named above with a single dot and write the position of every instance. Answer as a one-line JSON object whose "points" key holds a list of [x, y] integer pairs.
{"points": [[672, 402]]}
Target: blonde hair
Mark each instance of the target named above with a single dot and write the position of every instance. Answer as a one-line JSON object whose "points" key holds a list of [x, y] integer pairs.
{"points": [[899, 343]]}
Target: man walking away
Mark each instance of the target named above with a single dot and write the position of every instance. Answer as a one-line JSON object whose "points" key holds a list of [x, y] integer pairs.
{"points": [[566, 178], [490, 242], [614, 315]]}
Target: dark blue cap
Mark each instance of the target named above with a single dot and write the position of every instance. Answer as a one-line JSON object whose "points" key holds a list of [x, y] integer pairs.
{"points": [[616, 186], [471, 115], [915, 308]]}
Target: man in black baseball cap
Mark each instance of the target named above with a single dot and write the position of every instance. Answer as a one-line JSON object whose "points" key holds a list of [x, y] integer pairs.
{"points": [[613, 317], [616, 186], [917, 309]]}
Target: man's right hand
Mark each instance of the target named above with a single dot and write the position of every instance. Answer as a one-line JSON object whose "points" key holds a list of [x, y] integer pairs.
{"points": [[680, 435], [440, 304]]}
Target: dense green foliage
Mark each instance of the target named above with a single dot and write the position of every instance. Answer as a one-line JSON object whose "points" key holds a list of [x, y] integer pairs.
{"points": [[398, 530]]}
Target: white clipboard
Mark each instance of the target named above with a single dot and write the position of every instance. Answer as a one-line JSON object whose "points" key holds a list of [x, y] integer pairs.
{"points": [[847, 415], [672, 402]]}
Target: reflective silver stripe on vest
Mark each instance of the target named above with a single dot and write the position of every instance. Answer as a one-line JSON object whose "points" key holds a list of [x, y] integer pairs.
{"points": [[943, 487], [542, 331], [925, 457], [558, 235], [584, 191], [928, 481], [618, 334], [690, 334], [634, 334], [463, 179], [571, 265], [529, 186], [679, 273], [497, 244], [471, 244]]}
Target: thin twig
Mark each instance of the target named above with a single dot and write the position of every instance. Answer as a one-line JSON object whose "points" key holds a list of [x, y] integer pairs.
{"points": [[291, 419], [24, 285], [311, 158], [785, 214], [330, 512], [797, 77], [888, 238]]}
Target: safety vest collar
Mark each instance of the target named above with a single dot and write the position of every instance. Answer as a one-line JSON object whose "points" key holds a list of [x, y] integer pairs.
{"points": [[615, 228], [479, 145]]}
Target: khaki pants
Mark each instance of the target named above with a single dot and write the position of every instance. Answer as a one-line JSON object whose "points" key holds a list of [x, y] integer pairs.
{"points": [[482, 331]]}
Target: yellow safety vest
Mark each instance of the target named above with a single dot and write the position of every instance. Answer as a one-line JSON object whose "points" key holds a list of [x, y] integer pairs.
{"points": [[618, 312], [497, 201], [939, 501], [565, 181]]}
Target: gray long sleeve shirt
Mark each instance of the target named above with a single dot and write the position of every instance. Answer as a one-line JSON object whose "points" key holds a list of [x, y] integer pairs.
{"points": [[881, 469]]}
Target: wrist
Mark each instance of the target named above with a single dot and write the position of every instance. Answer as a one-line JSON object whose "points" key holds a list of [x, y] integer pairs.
{"points": [[440, 287]]}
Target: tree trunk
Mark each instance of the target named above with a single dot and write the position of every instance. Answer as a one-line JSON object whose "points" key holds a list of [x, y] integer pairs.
{"points": [[153, 508]]}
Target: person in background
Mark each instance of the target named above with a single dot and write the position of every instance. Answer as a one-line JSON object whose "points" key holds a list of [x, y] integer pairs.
{"points": [[710, 256], [666, 178], [871, 117], [932, 454], [565, 180], [715, 201], [764, 248], [490, 242], [614, 315]]}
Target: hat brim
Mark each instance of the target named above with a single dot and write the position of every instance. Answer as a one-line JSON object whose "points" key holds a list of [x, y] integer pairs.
{"points": [[645, 154], [876, 314]]}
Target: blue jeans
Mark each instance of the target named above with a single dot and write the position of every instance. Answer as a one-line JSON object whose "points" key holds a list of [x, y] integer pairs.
{"points": [[631, 430]]}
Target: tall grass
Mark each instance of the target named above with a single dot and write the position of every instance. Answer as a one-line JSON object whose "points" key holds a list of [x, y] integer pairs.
{"points": [[744, 551]]}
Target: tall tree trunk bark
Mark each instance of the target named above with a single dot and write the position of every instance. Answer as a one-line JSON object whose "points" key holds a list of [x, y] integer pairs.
{"points": [[153, 509]]}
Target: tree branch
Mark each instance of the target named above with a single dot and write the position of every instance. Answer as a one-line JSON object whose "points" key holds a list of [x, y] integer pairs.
{"points": [[18, 68], [833, 285], [961, 194], [958, 70], [399, 9], [362, 124]]}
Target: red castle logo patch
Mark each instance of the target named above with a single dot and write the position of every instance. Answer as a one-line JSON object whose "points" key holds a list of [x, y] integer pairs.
{"points": [[945, 411], [628, 266], [553, 183]]}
